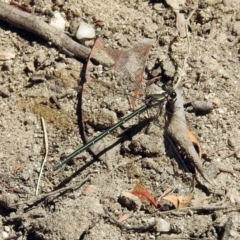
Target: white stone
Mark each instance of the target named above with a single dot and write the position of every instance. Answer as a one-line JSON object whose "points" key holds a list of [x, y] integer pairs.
{"points": [[58, 21], [7, 228], [5, 235], [85, 31], [162, 225]]}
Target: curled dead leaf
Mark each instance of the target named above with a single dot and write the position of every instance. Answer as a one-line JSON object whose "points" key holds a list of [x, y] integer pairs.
{"points": [[141, 192], [179, 201]]}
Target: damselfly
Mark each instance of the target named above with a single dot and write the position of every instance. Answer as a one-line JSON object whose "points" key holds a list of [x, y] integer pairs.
{"points": [[103, 101]]}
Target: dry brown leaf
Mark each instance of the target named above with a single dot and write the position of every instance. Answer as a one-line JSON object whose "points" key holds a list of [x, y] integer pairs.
{"points": [[141, 192], [179, 201]]}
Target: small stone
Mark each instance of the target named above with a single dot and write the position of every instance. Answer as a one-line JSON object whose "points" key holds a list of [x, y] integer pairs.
{"points": [[30, 67], [202, 106], [158, 6], [58, 21], [162, 225], [236, 28], [216, 101], [8, 200], [130, 201], [5, 235], [85, 31], [6, 54], [7, 228], [59, 2], [104, 118], [168, 68], [36, 149]]}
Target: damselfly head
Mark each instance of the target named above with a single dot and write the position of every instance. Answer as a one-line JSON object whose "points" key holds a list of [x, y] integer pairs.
{"points": [[169, 91]]}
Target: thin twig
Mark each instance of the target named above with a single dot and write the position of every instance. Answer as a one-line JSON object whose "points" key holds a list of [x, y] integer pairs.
{"points": [[43, 196], [189, 46], [46, 153], [228, 170], [129, 227], [231, 154], [197, 209], [10, 188]]}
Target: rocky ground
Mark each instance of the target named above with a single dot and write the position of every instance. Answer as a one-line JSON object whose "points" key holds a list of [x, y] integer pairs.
{"points": [[104, 193]]}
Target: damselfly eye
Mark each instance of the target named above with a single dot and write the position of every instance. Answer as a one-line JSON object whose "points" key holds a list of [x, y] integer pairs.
{"points": [[169, 91], [173, 94]]}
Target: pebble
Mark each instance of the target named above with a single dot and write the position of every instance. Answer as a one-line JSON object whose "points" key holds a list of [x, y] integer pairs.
{"points": [[130, 201], [236, 28], [36, 149], [162, 225], [85, 31], [7, 228], [6, 55], [59, 2], [5, 235], [202, 106], [58, 21]]}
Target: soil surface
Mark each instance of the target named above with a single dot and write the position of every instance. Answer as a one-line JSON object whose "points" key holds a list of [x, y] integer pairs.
{"points": [[112, 191]]}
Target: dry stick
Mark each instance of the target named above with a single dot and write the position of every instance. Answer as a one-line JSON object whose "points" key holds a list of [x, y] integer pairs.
{"points": [[179, 134], [40, 197], [35, 25], [228, 170], [189, 46], [229, 155], [182, 211], [46, 153], [129, 227], [10, 188]]}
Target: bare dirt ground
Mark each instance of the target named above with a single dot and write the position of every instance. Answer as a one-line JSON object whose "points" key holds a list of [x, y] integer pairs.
{"points": [[82, 199]]}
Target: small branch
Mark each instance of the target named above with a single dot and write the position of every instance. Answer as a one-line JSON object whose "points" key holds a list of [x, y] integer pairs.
{"points": [[228, 170], [43, 196], [46, 153], [182, 211], [35, 25], [10, 188], [129, 227], [231, 154]]}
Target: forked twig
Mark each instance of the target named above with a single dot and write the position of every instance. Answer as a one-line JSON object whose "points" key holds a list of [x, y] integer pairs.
{"points": [[46, 153]]}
